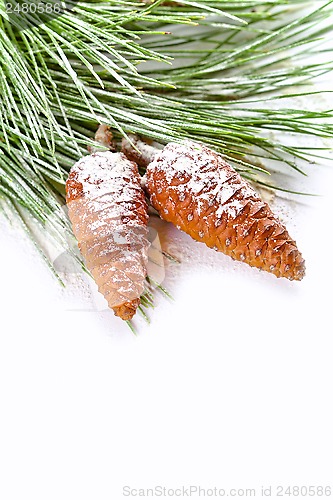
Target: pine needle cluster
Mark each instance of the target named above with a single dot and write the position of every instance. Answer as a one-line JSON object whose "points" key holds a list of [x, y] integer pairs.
{"points": [[167, 70]]}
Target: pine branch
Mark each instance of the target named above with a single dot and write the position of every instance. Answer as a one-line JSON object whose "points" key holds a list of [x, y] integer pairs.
{"points": [[213, 66]]}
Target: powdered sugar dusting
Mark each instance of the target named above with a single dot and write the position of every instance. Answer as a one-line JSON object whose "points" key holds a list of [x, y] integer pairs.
{"points": [[193, 168], [91, 171]]}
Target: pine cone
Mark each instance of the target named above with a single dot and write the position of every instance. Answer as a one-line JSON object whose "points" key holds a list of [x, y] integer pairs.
{"points": [[108, 211], [195, 189]]}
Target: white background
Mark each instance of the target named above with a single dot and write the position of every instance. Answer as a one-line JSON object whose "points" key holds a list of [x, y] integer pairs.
{"points": [[230, 386]]}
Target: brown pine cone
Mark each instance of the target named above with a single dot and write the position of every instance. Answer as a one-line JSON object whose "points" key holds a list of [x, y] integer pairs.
{"points": [[195, 189], [108, 211]]}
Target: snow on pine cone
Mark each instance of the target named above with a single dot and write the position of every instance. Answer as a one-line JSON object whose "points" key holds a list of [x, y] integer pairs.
{"points": [[108, 212], [195, 189]]}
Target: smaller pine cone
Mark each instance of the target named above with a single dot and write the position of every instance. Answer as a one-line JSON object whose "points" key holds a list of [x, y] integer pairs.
{"points": [[143, 151], [108, 211], [103, 137], [195, 189]]}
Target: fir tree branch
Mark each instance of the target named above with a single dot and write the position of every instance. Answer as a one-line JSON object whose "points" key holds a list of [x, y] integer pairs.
{"points": [[59, 79]]}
